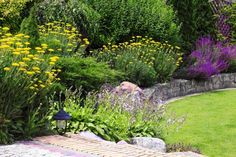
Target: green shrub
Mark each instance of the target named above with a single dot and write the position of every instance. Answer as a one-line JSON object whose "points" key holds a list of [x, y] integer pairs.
{"points": [[109, 119], [25, 79], [29, 26], [136, 71], [143, 60], [231, 12], [10, 12], [104, 21], [181, 147], [86, 72], [63, 38], [197, 20]]}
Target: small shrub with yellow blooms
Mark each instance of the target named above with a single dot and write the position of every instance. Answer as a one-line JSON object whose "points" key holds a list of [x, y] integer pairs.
{"points": [[141, 54], [25, 78], [63, 38]]}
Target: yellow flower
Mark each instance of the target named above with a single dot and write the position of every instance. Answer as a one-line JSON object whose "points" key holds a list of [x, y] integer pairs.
{"points": [[27, 36], [27, 43], [26, 59], [50, 50], [42, 86], [30, 56], [32, 87], [6, 69], [36, 68], [30, 73], [19, 35], [15, 64], [27, 48], [16, 53], [5, 29], [59, 49], [35, 58], [38, 48], [18, 43], [22, 63], [25, 52], [10, 42], [44, 45], [8, 34], [4, 46], [22, 69], [52, 63]]}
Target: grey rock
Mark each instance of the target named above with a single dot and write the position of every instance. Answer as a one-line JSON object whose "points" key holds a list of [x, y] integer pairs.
{"points": [[90, 135], [122, 142], [150, 143]]}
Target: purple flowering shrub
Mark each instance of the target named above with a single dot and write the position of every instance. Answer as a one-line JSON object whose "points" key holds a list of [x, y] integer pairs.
{"points": [[210, 58]]}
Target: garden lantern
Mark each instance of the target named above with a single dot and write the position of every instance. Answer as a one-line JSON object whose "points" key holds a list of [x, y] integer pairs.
{"points": [[61, 118]]}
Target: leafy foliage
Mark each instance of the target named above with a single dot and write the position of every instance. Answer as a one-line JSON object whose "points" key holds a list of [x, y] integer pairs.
{"points": [[63, 38], [142, 59], [105, 21], [25, 78], [230, 11], [86, 73], [108, 118], [29, 26], [197, 20]]}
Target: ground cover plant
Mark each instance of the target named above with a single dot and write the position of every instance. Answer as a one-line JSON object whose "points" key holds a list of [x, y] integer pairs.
{"points": [[209, 125], [143, 60], [108, 117]]}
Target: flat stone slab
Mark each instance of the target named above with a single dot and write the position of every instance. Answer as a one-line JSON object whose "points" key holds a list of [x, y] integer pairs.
{"points": [[79, 146]]}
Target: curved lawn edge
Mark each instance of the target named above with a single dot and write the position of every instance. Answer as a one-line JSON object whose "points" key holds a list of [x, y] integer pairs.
{"points": [[196, 94]]}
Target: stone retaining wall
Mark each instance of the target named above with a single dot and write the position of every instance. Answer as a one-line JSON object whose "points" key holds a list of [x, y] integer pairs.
{"points": [[177, 88]]}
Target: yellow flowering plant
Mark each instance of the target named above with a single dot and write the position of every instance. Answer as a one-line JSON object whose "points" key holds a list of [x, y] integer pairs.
{"points": [[62, 38], [164, 58], [25, 77]]}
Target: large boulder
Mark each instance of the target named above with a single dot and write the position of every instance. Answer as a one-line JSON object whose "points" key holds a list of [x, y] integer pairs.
{"points": [[150, 143], [127, 87]]}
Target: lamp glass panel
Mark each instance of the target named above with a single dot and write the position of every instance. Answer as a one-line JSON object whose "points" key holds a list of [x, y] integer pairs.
{"points": [[61, 124]]}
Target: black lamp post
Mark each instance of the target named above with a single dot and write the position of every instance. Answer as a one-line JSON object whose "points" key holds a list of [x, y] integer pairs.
{"points": [[61, 118]]}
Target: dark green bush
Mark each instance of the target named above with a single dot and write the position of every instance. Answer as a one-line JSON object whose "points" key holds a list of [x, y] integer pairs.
{"points": [[197, 20], [231, 12], [135, 70], [122, 19], [143, 60], [104, 21], [86, 72], [29, 27]]}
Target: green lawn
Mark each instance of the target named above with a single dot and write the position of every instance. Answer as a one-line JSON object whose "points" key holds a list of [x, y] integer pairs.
{"points": [[210, 123]]}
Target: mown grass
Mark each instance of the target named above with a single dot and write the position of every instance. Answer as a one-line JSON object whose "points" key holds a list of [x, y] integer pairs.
{"points": [[210, 123]]}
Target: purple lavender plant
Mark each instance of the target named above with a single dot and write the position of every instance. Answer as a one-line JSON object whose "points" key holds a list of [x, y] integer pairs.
{"points": [[210, 58]]}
